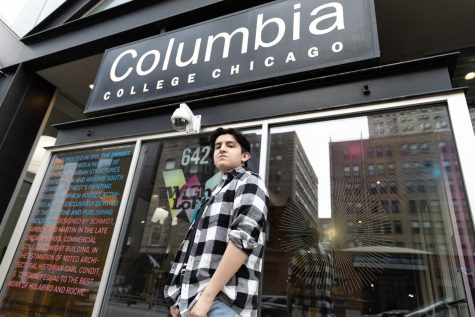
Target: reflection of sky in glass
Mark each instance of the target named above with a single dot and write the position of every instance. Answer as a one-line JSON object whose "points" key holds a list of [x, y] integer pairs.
{"points": [[22, 15], [315, 139]]}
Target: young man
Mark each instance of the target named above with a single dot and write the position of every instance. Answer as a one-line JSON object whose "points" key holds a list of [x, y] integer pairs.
{"points": [[220, 275]]}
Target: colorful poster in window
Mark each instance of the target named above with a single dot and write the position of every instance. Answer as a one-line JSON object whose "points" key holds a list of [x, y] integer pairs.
{"points": [[60, 260], [183, 195]]}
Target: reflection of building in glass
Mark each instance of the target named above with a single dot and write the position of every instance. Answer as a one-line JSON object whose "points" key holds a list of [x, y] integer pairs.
{"points": [[167, 233], [150, 245], [412, 183], [326, 229], [409, 121], [290, 174], [291, 178]]}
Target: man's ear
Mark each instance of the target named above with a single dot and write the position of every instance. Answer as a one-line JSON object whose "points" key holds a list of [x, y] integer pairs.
{"points": [[245, 156]]}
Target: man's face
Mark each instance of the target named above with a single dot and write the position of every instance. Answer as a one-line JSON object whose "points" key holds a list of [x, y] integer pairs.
{"points": [[228, 153]]}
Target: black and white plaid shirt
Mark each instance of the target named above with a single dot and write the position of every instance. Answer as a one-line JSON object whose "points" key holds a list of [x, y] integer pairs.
{"points": [[236, 212]]}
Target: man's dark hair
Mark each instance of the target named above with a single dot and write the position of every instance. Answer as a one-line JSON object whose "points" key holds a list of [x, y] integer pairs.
{"points": [[240, 138]]}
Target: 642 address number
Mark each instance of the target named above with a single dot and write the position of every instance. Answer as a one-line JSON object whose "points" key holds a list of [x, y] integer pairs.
{"points": [[196, 156]]}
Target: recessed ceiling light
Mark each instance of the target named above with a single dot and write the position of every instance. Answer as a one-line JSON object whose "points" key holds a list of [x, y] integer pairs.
{"points": [[91, 86], [470, 76]]}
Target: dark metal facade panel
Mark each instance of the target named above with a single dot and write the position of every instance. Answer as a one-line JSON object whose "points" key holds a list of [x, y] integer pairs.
{"points": [[289, 99], [25, 103], [5, 82]]}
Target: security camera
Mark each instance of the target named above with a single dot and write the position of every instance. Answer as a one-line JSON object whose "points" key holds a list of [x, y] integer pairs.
{"points": [[184, 120]]}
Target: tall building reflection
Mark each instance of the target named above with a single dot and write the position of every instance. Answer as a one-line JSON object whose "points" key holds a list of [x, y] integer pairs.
{"points": [[399, 217], [406, 174], [291, 179]]}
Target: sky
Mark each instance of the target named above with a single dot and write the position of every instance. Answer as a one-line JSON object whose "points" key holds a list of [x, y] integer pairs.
{"points": [[22, 15]]}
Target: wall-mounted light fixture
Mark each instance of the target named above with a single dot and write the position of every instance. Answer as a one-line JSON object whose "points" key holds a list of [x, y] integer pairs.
{"points": [[470, 76]]}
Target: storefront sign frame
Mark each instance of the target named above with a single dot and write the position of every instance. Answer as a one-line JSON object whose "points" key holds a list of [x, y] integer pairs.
{"points": [[273, 40]]}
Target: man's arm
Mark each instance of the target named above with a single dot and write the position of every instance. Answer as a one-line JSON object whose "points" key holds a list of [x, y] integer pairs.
{"points": [[250, 209], [230, 263]]}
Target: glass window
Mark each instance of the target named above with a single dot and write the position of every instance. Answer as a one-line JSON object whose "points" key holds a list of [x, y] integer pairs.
{"points": [[434, 205], [63, 251], [423, 206], [415, 226], [455, 205], [428, 167], [417, 167], [410, 187], [377, 238], [391, 168], [346, 170], [425, 148], [393, 187], [446, 165], [160, 208], [23, 15], [370, 169], [170, 164], [397, 226], [388, 151], [395, 206], [421, 186], [405, 149], [383, 188], [414, 148], [387, 227], [373, 188]]}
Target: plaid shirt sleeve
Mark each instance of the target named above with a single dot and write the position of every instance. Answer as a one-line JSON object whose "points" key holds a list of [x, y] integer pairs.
{"points": [[172, 287], [250, 211], [235, 213]]}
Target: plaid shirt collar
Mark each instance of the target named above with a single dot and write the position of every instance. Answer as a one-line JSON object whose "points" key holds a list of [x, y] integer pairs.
{"points": [[235, 172]]}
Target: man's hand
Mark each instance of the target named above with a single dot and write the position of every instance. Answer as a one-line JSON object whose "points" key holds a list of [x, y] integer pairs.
{"points": [[202, 307], [175, 311]]}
